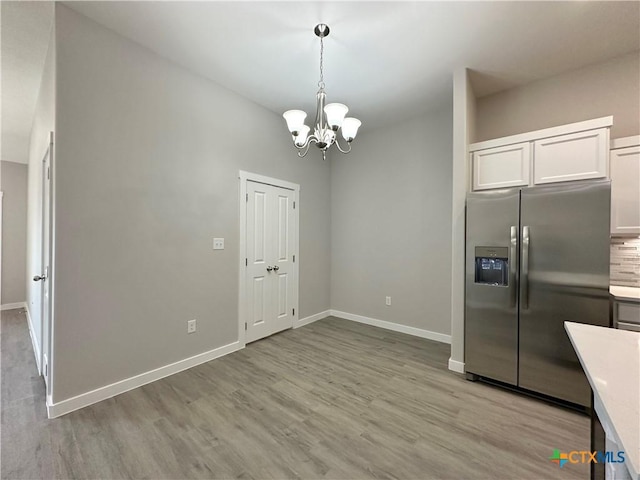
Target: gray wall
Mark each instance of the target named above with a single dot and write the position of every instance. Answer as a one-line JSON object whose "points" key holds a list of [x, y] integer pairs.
{"points": [[609, 88], [464, 127], [147, 161], [43, 124], [14, 231], [391, 224]]}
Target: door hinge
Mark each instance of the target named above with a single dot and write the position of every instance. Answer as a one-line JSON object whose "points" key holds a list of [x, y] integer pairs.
{"points": [[294, 312], [294, 259], [246, 262], [48, 177], [294, 205], [245, 326], [247, 197]]}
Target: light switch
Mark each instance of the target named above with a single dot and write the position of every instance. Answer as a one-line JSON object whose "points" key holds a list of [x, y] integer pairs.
{"points": [[218, 243]]}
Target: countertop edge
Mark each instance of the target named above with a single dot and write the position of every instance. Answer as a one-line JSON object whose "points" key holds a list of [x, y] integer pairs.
{"points": [[629, 294]]}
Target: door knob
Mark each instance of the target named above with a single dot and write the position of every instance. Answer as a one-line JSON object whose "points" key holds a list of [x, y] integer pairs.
{"points": [[37, 278], [276, 268], [269, 269]]}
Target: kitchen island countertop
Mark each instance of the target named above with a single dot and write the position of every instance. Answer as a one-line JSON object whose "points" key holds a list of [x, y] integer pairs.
{"points": [[611, 361]]}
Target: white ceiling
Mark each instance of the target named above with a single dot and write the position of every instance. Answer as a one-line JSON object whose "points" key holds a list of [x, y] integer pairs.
{"points": [[386, 60]]}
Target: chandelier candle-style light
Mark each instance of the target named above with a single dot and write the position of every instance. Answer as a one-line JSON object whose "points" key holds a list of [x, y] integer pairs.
{"points": [[329, 118]]}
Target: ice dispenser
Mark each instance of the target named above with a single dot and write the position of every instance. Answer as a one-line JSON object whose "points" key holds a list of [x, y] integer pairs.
{"points": [[492, 266]]}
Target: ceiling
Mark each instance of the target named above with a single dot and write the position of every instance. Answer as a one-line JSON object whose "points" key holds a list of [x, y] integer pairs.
{"points": [[387, 61], [24, 35]]}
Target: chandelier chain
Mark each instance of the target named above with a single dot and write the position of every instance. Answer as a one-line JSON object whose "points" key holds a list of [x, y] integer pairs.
{"points": [[321, 82]]}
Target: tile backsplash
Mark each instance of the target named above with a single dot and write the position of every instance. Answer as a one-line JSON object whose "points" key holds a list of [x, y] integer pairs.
{"points": [[625, 261]]}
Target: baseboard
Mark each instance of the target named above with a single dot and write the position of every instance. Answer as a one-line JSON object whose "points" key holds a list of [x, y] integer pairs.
{"points": [[12, 306], [312, 318], [36, 347], [396, 327], [67, 406], [456, 366]]}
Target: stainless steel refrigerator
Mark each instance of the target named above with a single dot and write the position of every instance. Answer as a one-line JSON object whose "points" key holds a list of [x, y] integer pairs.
{"points": [[535, 258]]}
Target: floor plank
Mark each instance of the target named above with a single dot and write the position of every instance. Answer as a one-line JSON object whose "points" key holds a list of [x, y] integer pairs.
{"points": [[334, 399]]}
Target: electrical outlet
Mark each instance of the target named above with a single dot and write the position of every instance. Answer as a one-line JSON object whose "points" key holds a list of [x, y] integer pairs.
{"points": [[388, 301], [218, 243], [191, 326]]}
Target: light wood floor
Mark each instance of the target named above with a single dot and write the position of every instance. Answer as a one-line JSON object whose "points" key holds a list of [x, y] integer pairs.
{"points": [[334, 399]]}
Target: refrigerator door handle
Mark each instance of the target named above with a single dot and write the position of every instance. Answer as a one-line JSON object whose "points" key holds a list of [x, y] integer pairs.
{"points": [[524, 269], [513, 248]]}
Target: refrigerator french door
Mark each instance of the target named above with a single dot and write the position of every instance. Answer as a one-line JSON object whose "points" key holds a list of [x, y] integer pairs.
{"points": [[535, 258]]}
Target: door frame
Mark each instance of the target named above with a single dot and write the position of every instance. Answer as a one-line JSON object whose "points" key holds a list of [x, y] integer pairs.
{"points": [[47, 248], [242, 280], [1, 243]]}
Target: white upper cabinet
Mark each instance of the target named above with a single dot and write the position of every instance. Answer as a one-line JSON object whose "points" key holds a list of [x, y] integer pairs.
{"points": [[577, 151], [577, 156], [625, 190], [501, 166]]}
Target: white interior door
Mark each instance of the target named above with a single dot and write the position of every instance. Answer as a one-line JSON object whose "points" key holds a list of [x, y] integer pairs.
{"points": [[271, 285]]}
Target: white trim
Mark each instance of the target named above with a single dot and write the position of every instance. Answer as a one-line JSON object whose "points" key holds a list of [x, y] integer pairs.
{"points": [[296, 247], [36, 347], [1, 242], [12, 306], [625, 142], [85, 399], [545, 133], [396, 327], [276, 182], [242, 259], [311, 318], [456, 366], [47, 363], [244, 177]]}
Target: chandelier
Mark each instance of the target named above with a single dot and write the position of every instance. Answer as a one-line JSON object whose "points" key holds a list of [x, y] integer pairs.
{"points": [[329, 118]]}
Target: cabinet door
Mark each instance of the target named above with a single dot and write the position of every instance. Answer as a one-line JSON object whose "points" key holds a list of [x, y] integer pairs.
{"points": [[501, 167], [625, 191], [576, 156], [626, 315]]}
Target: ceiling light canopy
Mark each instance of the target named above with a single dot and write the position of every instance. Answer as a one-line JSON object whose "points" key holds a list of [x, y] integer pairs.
{"points": [[330, 119]]}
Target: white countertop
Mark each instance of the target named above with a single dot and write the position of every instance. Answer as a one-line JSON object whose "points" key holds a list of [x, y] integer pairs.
{"points": [[625, 293], [611, 360]]}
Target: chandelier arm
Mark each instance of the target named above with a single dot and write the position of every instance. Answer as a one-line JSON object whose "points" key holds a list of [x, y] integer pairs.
{"points": [[340, 148], [310, 138], [302, 151], [306, 145]]}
